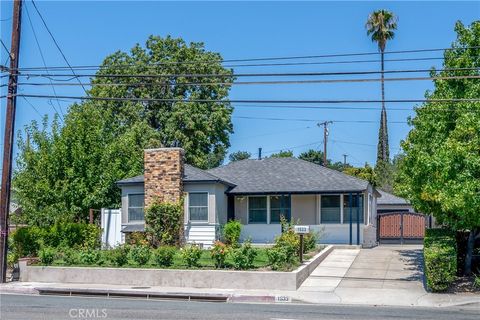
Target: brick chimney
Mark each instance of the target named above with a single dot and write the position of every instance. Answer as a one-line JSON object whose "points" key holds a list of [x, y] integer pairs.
{"points": [[163, 174]]}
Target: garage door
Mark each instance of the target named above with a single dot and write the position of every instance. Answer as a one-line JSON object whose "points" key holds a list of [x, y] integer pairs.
{"points": [[401, 227]]}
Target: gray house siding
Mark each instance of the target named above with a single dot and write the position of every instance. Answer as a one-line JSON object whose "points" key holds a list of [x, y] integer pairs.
{"points": [[126, 190]]}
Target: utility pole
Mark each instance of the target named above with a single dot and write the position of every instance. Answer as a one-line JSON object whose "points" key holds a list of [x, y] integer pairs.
{"points": [[325, 136], [9, 136], [345, 160]]}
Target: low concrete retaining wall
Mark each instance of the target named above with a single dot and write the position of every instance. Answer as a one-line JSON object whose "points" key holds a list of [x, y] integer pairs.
{"points": [[221, 279]]}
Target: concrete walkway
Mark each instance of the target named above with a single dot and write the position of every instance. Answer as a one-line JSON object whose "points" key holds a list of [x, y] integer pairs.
{"points": [[328, 275]]}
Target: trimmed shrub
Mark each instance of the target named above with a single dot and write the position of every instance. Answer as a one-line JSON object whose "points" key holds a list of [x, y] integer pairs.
{"points": [[440, 257], [310, 242], [27, 241], [443, 236], [191, 255], [12, 258], [136, 238], [70, 256], [140, 255], [69, 234], [118, 256], [231, 232], [219, 253], [244, 256], [163, 256], [284, 253], [164, 221], [89, 256], [277, 257], [47, 255], [91, 235]]}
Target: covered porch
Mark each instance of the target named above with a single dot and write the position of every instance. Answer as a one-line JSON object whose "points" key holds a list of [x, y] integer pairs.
{"points": [[339, 218]]}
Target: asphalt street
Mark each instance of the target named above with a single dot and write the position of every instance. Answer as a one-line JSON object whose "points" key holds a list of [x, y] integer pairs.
{"points": [[56, 307]]}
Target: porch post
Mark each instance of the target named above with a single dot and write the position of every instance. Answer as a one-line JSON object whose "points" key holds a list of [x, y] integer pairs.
{"points": [[358, 218], [350, 215], [230, 207]]}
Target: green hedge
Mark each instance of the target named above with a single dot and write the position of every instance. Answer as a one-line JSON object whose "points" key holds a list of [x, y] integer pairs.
{"points": [[27, 241], [440, 256]]}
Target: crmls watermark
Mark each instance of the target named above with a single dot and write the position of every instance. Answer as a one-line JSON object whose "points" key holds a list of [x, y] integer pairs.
{"points": [[80, 313]]}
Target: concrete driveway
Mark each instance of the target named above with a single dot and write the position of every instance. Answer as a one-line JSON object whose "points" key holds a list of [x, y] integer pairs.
{"points": [[386, 266], [384, 275]]}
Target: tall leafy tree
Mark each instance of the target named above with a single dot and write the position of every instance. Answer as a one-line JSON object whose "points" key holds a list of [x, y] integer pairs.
{"points": [[62, 171], [440, 172], [365, 173], [176, 69], [239, 155], [380, 26]]}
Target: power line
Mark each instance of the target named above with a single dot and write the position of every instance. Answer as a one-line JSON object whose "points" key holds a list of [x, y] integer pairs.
{"points": [[55, 41], [6, 49], [313, 120], [43, 60], [300, 57], [85, 68], [33, 107], [236, 75], [135, 99], [148, 84]]}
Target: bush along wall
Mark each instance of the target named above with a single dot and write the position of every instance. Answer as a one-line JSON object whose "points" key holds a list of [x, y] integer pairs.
{"points": [[28, 241], [440, 256]]}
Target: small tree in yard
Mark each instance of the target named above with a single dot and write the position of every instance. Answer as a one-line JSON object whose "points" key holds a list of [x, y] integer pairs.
{"points": [[440, 173], [164, 221]]}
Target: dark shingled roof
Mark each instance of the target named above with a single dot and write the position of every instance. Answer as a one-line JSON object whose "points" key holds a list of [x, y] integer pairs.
{"points": [[388, 198], [191, 174], [285, 175]]}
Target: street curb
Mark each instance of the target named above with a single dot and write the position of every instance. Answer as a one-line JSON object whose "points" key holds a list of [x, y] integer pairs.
{"points": [[154, 295], [118, 293], [18, 290]]}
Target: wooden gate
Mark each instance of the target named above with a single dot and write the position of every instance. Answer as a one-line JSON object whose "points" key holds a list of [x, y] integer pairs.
{"points": [[400, 227]]}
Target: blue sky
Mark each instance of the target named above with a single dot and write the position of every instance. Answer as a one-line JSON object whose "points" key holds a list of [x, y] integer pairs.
{"points": [[88, 31]]}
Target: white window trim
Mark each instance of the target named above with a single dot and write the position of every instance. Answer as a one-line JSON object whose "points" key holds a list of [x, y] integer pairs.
{"points": [[128, 206], [208, 207]]}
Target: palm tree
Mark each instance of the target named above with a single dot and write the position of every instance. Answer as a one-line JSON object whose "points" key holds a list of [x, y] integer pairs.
{"points": [[380, 26]]}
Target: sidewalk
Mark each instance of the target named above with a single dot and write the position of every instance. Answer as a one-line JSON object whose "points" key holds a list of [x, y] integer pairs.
{"points": [[358, 296]]}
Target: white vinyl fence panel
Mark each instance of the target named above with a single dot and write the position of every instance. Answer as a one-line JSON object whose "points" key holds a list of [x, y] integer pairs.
{"points": [[111, 224]]}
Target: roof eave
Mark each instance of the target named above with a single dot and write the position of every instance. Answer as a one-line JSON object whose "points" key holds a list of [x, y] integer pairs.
{"points": [[241, 193]]}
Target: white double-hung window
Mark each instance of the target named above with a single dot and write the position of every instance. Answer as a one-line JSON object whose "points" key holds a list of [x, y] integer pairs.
{"points": [[198, 206], [135, 207]]}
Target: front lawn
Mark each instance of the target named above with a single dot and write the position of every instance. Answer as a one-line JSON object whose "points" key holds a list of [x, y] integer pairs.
{"points": [[101, 258]]}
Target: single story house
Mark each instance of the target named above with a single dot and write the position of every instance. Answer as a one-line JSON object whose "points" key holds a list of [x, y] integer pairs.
{"points": [[257, 192]]}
